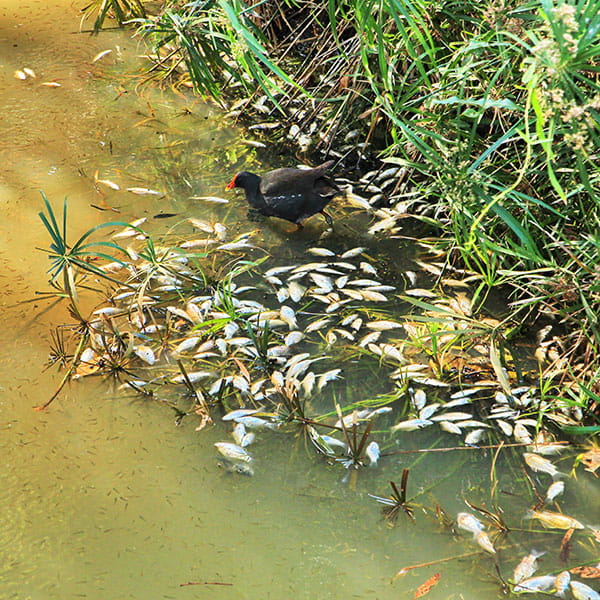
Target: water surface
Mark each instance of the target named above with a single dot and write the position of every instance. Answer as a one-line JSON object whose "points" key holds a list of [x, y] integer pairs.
{"points": [[103, 496]]}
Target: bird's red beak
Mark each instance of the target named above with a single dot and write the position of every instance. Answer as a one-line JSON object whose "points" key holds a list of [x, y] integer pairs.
{"points": [[231, 184]]}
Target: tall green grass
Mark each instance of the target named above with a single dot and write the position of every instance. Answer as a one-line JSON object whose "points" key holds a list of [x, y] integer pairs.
{"points": [[492, 109]]}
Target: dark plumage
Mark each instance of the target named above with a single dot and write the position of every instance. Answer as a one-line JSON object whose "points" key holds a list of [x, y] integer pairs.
{"points": [[291, 194]]}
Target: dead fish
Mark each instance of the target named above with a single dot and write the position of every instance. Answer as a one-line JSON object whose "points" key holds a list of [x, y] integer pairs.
{"points": [[527, 567], [370, 338], [352, 253], [321, 252], [108, 183], [20, 75], [555, 490], [382, 325], [252, 422], [581, 591], [186, 345], [324, 283], [240, 412], [192, 377], [411, 425], [483, 540], [241, 436], [373, 453], [543, 583], [539, 464], [140, 191], [146, 354], [469, 522], [296, 291], [450, 427], [289, 317], [452, 416], [315, 325], [561, 584], [521, 434], [100, 55], [325, 378], [233, 451], [428, 411], [554, 520], [474, 437], [331, 441], [365, 267], [293, 338], [215, 199]]}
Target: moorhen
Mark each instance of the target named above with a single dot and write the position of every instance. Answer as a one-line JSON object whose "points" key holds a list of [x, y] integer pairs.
{"points": [[291, 194]]}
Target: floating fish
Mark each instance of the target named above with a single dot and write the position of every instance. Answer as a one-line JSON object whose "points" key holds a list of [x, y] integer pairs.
{"points": [[373, 453], [383, 325], [240, 412], [540, 464], [469, 522], [411, 425], [193, 377], [561, 584], [554, 520], [321, 252], [555, 490], [233, 451], [474, 437], [527, 567], [100, 55], [483, 540], [144, 191], [146, 354], [543, 583], [581, 591], [450, 427]]}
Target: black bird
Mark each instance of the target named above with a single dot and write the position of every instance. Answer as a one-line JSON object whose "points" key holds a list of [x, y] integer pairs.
{"points": [[291, 194]]}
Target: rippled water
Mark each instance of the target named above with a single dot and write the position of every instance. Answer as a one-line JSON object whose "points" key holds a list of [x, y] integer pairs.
{"points": [[102, 495]]}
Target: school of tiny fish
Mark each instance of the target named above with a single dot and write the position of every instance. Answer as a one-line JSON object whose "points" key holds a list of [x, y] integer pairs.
{"points": [[255, 340]]}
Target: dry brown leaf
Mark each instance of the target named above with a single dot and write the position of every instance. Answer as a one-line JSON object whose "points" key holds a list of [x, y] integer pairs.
{"points": [[424, 589], [565, 546], [591, 460]]}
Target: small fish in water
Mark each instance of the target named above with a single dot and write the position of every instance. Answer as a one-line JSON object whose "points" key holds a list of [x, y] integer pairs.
{"points": [[540, 464], [581, 591], [535, 584], [561, 584], [554, 520], [233, 451], [373, 453], [556, 489], [483, 540], [527, 567], [469, 522]]}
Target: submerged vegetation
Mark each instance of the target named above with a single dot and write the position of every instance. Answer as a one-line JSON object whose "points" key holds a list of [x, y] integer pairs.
{"points": [[480, 119], [475, 124]]}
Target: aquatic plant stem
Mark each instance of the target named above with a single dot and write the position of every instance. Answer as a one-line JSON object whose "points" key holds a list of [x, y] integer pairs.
{"points": [[82, 342]]}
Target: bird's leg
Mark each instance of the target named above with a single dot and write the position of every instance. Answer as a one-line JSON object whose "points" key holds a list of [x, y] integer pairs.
{"points": [[327, 218]]}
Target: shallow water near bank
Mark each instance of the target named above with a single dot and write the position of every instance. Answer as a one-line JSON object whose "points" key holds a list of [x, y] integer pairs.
{"points": [[103, 495]]}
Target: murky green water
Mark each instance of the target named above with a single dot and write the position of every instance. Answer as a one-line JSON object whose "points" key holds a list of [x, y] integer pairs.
{"points": [[102, 495]]}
